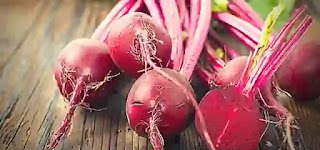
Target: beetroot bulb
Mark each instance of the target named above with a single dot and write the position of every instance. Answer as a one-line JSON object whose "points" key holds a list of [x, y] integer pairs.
{"points": [[300, 73], [161, 102], [83, 73], [87, 61], [155, 104], [232, 109]]}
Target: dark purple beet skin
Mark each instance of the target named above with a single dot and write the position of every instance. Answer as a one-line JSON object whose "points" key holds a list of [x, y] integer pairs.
{"points": [[300, 73], [90, 59], [152, 88]]}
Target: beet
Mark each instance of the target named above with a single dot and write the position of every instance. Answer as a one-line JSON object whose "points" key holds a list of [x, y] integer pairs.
{"points": [[300, 73], [232, 72], [156, 103], [83, 73], [227, 113], [90, 60]]}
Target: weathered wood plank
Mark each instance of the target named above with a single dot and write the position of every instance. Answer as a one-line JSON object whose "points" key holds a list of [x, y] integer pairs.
{"points": [[32, 82], [13, 33], [135, 141], [48, 29], [15, 69], [129, 138]]}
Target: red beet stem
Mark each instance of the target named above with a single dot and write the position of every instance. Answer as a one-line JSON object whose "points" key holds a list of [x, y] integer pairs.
{"points": [[136, 6], [282, 54], [281, 38], [172, 22], [275, 44], [63, 129], [194, 17], [231, 53], [193, 50], [273, 58], [216, 63], [100, 32], [184, 13], [242, 9], [205, 76], [250, 41], [284, 31], [155, 11], [242, 37], [241, 25]]}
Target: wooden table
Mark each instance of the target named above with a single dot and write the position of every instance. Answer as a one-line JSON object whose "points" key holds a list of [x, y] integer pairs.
{"points": [[31, 107]]}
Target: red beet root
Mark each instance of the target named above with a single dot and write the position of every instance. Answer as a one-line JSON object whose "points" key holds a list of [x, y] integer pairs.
{"points": [[169, 109], [231, 73], [300, 72], [236, 113], [86, 61], [83, 73]]}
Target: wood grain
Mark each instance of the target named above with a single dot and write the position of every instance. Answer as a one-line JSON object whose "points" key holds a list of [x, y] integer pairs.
{"points": [[31, 107]]}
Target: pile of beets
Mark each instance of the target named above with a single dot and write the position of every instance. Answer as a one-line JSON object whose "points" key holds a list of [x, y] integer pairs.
{"points": [[163, 43]]}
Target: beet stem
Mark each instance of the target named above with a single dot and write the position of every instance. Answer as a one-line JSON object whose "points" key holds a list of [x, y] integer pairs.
{"points": [[172, 21], [98, 33], [155, 12], [193, 50], [122, 7], [212, 57], [183, 12], [194, 17], [64, 128], [257, 58], [275, 63], [279, 41], [245, 9], [206, 77], [241, 25], [229, 51], [247, 41], [136, 6], [281, 37], [247, 38]]}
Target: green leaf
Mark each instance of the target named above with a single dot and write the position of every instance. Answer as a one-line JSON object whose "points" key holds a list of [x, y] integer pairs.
{"points": [[219, 5], [263, 7], [268, 26]]}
